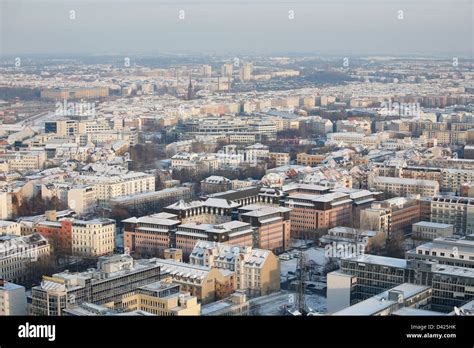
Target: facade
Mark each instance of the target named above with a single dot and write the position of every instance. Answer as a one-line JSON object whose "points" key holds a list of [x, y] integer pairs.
{"points": [[305, 159], [310, 213], [452, 251], [58, 233], [19, 253], [12, 299], [155, 200], [257, 270], [454, 210], [403, 187], [163, 299], [10, 228], [206, 283], [114, 277], [93, 238], [215, 184], [431, 230], [211, 211], [150, 235], [272, 226], [233, 232]]}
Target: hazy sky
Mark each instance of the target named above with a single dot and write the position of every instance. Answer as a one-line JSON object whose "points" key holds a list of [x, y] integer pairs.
{"points": [[349, 27]]}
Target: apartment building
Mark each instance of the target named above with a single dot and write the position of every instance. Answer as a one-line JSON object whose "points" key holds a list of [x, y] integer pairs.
{"points": [[272, 226], [310, 213], [154, 200], [353, 139], [9, 227], [17, 253], [279, 158], [58, 233], [402, 187], [305, 159], [108, 187], [93, 238], [12, 299], [82, 199], [206, 283], [257, 270], [114, 277], [23, 161]]}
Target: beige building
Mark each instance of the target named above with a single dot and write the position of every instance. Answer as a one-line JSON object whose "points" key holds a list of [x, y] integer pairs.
{"points": [[82, 199], [206, 283], [257, 270], [161, 298], [402, 187], [10, 227], [17, 253], [93, 237], [12, 299]]}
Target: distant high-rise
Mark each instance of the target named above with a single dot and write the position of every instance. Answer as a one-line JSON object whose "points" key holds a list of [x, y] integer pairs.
{"points": [[246, 72], [206, 70], [227, 70]]}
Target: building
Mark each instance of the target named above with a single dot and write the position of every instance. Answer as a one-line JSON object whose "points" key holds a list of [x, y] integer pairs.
{"points": [[236, 305], [312, 213], [58, 233], [452, 251], [114, 277], [305, 159], [427, 230], [150, 235], [454, 210], [75, 93], [19, 255], [93, 238], [210, 211], [214, 183], [279, 158], [257, 270], [9, 227], [365, 276], [206, 283], [392, 301], [154, 200], [401, 187], [12, 299], [82, 199], [272, 226], [161, 298], [237, 233]]}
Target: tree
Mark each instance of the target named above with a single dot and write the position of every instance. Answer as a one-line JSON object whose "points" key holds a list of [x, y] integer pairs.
{"points": [[395, 245]]}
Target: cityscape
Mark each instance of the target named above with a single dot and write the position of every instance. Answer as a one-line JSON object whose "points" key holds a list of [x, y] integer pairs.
{"points": [[236, 181]]}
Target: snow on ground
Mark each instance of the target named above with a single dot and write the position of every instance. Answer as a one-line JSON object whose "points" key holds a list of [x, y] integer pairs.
{"points": [[316, 255], [272, 304]]}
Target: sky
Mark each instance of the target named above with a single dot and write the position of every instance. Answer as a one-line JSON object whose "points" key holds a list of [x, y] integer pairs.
{"points": [[260, 27]]}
